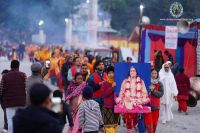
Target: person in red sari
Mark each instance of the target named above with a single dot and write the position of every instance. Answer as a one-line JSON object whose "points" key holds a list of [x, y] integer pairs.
{"points": [[183, 85]]}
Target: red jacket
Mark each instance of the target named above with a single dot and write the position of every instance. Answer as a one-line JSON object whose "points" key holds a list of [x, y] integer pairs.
{"points": [[97, 80], [156, 94], [73, 69], [108, 95]]}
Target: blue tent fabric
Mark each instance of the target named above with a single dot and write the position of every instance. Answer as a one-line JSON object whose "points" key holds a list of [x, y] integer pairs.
{"points": [[178, 55], [144, 34], [190, 35], [148, 48], [181, 56], [181, 41]]}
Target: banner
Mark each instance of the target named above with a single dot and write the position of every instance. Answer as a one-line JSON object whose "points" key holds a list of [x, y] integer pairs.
{"points": [[171, 37]]}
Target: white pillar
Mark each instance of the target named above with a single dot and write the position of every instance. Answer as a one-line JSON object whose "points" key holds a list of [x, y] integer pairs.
{"points": [[93, 23], [68, 33], [42, 37]]}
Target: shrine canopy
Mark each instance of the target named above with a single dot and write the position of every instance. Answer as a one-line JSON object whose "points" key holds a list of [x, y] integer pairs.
{"points": [[153, 38]]}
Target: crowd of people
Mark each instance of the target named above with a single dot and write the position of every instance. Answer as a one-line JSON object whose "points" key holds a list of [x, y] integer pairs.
{"points": [[88, 85], [12, 51]]}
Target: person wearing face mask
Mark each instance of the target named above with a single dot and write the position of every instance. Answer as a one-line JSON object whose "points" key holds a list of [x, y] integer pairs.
{"points": [[74, 97], [156, 88], [171, 92], [37, 117]]}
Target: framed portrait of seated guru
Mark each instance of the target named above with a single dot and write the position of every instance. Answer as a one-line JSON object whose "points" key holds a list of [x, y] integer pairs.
{"points": [[132, 87]]}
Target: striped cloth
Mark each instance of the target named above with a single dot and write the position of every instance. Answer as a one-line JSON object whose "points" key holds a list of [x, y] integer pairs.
{"points": [[90, 118]]}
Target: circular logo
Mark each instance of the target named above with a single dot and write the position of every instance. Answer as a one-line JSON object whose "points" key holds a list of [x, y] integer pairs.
{"points": [[176, 9]]}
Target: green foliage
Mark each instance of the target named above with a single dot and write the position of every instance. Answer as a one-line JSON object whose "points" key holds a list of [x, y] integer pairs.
{"points": [[24, 15], [125, 13]]}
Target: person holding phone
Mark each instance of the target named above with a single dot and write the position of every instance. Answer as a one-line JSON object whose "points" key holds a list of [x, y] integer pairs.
{"points": [[53, 67], [38, 116], [66, 110]]}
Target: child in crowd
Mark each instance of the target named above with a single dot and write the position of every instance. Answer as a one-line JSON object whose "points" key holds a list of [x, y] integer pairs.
{"points": [[90, 118]]}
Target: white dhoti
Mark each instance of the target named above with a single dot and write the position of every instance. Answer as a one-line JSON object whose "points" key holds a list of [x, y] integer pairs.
{"points": [[170, 91], [166, 114]]}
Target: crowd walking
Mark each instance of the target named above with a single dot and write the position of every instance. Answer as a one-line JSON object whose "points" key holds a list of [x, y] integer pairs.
{"points": [[86, 97]]}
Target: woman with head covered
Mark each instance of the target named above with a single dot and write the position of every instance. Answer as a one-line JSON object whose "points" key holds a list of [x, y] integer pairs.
{"points": [[74, 97], [170, 92]]}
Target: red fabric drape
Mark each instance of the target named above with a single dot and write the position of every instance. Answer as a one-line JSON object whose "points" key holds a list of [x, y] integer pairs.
{"points": [[198, 26], [159, 45], [162, 28], [190, 62], [154, 27]]}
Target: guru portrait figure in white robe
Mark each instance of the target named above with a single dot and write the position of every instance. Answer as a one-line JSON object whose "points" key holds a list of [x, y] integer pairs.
{"points": [[170, 93]]}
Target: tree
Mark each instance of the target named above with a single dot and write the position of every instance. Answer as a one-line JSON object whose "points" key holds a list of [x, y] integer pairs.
{"points": [[125, 13]]}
